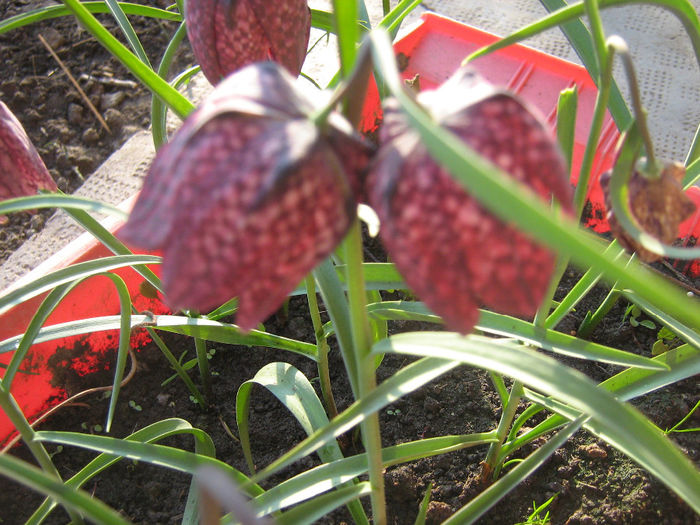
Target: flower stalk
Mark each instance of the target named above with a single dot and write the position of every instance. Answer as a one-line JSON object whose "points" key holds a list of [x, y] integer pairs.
{"points": [[362, 340], [322, 348]]}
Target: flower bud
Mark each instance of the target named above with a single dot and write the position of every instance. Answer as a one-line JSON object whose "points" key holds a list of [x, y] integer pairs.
{"points": [[22, 172], [229, 34], [248, 197], [659, 205], [451, 250]]}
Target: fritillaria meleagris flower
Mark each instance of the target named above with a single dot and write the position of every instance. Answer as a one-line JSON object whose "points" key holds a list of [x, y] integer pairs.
{"points": [[229, 34], [22, 172], [659, 205], [453, 252], [248, 196]]}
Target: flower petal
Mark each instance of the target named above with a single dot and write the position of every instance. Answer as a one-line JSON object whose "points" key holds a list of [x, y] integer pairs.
{"points": [[22, 172], [453, 252], [227, 35], [262, 234]]}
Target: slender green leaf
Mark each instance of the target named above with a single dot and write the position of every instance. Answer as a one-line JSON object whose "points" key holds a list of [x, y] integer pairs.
{"points": [[107, 238], [55, 11], [152, 433], [345, 19], [584, 285], [128, 30], [423, 507], [566, 122], [684, 362], [24, 341], [54, 200], [684, 332], [158, 109], [329, 284], [123, 348], [692, 174], [317, 508], [294, 391], [512, 327], [682, 9], [580, 38], [159, 455], [209, 330], [73, 328]]}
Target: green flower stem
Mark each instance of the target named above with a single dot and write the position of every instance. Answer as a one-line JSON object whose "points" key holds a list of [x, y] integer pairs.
{"points": [[491, 467], [322, 347], [362, 340], [619, 46], [351, 92], [19, 421]]}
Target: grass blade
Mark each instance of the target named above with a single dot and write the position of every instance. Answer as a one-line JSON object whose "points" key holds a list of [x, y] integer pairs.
{"points": [[55, 11], [209, 330]]}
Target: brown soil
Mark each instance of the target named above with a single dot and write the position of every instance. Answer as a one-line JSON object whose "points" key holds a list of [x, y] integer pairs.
{"points": [[57, 118], [593, 483]]}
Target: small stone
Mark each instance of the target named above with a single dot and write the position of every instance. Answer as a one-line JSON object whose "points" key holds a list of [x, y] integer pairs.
{"points": [[431, 405], [438, 511], [594, 451], [36, 222], [91, 136], [114, 119], [163, 399], [112, 100], [75, 113], [579, 518], [53, 38]]}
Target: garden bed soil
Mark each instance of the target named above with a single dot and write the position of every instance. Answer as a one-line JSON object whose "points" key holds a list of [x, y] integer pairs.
{"points": [[591, 483]]}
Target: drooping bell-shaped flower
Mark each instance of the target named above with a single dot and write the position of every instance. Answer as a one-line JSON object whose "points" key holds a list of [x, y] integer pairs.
{"points": [[451, 250], [229, 34], [658, 204], [22, 172], [249, 196]]}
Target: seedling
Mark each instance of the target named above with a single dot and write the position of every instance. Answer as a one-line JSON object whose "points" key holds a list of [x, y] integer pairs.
{"points": [[634, 314]]}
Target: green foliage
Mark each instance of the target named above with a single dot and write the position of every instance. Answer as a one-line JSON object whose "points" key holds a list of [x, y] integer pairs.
{"points": [[361, 321]]}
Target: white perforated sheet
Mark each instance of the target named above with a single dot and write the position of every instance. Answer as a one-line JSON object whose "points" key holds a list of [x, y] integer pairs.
{"points": [[665, 62]]}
